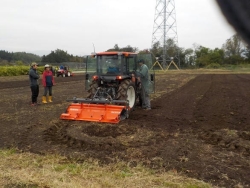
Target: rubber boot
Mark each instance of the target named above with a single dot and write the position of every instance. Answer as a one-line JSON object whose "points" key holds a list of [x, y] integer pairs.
{"points": [[50, 99], [44, 100]]}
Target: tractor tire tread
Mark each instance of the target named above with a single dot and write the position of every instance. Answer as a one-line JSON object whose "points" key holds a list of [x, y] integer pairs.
{"points": [[92, 89]]}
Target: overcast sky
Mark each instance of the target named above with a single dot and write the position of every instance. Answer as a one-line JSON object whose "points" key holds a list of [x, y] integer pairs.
{"points": [[77, 26]]}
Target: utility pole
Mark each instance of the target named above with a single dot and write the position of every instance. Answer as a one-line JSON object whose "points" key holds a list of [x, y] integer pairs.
{"points": [[165, 31]]}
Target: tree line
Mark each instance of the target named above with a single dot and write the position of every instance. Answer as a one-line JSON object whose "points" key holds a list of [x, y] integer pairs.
{"points": [[233, 52], [57, 56], [60, 56], [9, 58]]}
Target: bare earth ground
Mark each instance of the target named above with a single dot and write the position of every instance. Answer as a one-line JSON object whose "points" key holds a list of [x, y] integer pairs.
{"points": [[199, 125]]}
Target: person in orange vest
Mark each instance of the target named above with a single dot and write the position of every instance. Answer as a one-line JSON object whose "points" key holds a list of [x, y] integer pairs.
{"points": [[48, 83]]}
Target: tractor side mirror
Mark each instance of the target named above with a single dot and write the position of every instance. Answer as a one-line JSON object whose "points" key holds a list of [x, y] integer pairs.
{"points": [[152, 77]]}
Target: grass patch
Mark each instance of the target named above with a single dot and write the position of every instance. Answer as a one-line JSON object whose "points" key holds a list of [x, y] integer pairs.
{"points": [[32, 170]]}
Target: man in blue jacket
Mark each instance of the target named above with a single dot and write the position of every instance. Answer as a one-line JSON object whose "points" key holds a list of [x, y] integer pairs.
{"points": [[34, 76]]}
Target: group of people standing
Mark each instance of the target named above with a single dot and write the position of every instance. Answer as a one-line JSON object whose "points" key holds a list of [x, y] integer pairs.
{"points": [[47, 81]]}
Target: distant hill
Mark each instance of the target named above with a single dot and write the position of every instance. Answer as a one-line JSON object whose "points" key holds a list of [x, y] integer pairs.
{"points": [[12, 57]]}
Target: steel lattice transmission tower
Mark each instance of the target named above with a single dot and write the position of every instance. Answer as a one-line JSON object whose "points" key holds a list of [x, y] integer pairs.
{"points": [[165, 30]]}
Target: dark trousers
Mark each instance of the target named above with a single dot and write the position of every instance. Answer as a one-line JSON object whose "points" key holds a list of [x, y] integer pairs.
{"points": [[34, 93], [46, 89], [145, 100]]}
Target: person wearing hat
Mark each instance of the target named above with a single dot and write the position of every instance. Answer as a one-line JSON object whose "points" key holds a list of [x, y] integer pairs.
{"points": [[144, 79], [48, 82], [33, 77]]}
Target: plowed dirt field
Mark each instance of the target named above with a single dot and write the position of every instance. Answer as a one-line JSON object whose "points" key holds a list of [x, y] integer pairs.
{"points": [[199, 126]]}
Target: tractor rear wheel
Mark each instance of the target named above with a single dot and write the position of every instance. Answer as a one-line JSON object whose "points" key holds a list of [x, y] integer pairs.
{"points": [[93, 88], [126, 91]]}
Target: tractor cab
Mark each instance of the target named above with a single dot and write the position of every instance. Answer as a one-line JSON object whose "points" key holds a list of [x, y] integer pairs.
{"points": [[115, 66], [111, 63]]}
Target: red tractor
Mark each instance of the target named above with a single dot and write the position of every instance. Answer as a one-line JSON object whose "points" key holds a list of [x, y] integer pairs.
{"points": [[64, 72], [112, 86]]}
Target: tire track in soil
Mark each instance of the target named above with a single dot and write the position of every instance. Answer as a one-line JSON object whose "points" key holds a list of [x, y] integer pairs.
{"points": [[222, 121], [174, 111]]}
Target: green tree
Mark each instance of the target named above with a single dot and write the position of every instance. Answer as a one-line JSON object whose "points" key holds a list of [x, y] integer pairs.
{"points": [[206, 56], [172, 48], [202, 56], [234, 49], [156, 49], [233, 46], [128, 48], [186, 57], [216, 56], [26, 58], [115, 48], [4, 55], [246, 54], [57, 56]]}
